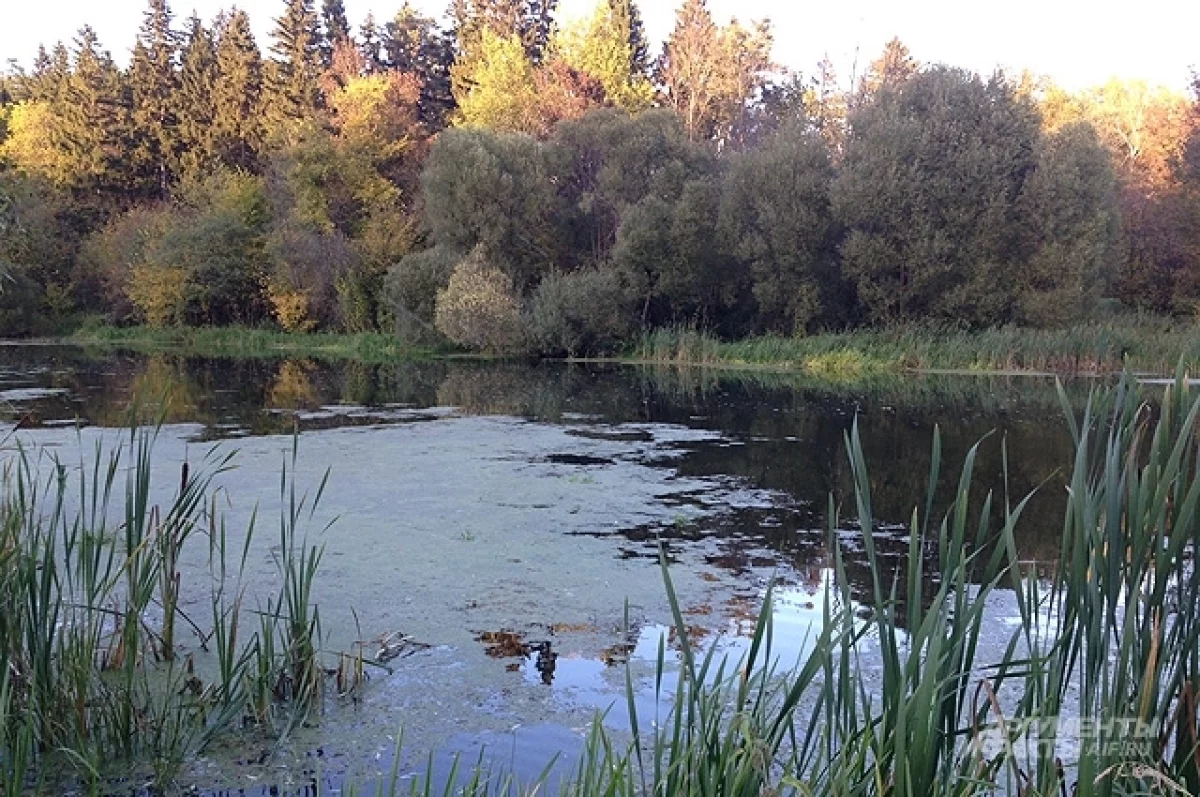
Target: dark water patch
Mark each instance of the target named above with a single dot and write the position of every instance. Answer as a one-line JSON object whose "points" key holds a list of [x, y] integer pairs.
{"points": [[583, 460]]}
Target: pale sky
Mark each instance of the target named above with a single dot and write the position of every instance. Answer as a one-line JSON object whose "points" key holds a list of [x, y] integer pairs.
{"points": [[1078, 43]]}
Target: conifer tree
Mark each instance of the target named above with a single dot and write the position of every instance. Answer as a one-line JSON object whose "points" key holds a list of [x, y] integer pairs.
{"points": [[93, 117], [153, 80], [413, 43], [335, 29], [627, 15], [195, 110], [295, 70], [237, 95], [49, 75], [370, 45]]}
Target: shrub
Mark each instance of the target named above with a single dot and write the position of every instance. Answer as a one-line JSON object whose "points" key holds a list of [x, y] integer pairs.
{"points": [[584, 312], [478, 308], [410, 290], [158, 293], [303, 259]]}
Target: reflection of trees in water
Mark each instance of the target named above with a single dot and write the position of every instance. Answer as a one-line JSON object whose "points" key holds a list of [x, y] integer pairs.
{"points": [[292, 388], [788, 431]]}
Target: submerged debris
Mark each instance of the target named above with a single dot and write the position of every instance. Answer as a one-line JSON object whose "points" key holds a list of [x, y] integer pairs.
{"points": [[504, 644], [395, 644]]}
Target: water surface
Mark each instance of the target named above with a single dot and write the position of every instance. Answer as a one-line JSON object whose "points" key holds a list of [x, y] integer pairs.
{"points": [[469, 498]]}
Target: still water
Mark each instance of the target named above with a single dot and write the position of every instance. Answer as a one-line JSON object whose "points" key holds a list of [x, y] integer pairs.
{"points": [[500, 523]]}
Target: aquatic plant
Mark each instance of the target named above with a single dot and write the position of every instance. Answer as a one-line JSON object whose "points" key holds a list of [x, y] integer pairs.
{"points": [[93, 673]]}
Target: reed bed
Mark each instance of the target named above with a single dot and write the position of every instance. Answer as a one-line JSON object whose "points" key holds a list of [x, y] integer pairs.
{"points": [[1095, 693], [96, 678], [372, 347], [1151, 345]]}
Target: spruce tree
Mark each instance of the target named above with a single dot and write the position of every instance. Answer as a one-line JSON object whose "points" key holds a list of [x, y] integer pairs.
{"points": [[629, 17], [93, 117], [153, 81], [295, 71], [237, 95], [49, 73], [194, 108], [370, 45], [335, 29], [414, 43]]}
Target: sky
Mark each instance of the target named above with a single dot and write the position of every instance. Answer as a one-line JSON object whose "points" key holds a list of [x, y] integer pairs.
{"points": [[1078, 43]]}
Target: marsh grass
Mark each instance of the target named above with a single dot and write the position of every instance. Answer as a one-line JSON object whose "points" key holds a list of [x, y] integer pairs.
{"points": [[370, 347], [1148, 344]]}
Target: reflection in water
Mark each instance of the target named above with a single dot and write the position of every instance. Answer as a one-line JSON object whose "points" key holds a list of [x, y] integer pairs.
{"points": [[784, 436]]}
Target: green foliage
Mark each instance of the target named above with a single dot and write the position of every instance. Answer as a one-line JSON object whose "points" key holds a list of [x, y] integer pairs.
{"points": [[676, 260], [153, 83], [929, 192], [479, 309], [603, 47], [580, 313], [294, 72], [411, 287], [500, 93], [109, 255], [201, 262], [195, 108], [775, 211], [608, 161], [237, 95], [413, 44], [1070, 207], [21, 300], [493, 192]]}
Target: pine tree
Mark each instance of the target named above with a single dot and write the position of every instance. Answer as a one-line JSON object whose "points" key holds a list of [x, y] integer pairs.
{"points": [[335, 29], [237, 95], [295, 71], [195, 110], [153, 81]]}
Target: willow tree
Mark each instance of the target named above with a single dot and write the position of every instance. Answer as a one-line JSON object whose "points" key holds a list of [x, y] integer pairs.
{"points": [[928, 190]]}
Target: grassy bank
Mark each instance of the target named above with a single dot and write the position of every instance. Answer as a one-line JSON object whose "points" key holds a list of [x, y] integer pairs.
{"points": [[1146, 345], [1150, 345], [250, 342]]}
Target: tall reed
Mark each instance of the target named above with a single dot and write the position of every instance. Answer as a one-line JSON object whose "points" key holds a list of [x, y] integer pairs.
{"points": [[94, 673]]}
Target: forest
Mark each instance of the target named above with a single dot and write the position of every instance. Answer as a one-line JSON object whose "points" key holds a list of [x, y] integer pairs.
{"points": [[508, 183]]}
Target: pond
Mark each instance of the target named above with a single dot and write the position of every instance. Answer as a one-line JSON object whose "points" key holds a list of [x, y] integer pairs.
{"points": [[491, 531]]}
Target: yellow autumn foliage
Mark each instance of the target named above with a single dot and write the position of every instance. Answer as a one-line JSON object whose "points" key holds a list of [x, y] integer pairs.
{"points": [[158, 293], [291, 309]]}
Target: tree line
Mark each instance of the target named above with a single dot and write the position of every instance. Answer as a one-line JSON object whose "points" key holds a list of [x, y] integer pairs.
{"points": [[513, 184]]}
